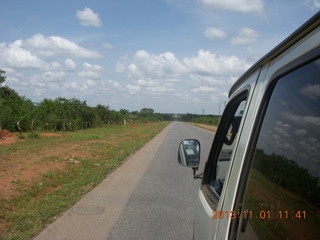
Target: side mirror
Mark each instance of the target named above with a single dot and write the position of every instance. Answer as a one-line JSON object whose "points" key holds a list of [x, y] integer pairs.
{"points": [[189, 153]]}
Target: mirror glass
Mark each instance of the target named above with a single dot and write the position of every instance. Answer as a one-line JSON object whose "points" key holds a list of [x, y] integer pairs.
{"points": [[189, 153]]}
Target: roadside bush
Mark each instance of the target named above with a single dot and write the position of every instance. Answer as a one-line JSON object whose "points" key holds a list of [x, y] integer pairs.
{"points": [[33, 135]]}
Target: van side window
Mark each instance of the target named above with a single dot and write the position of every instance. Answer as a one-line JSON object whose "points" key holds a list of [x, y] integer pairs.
{"points": [[283, 190], [234, 112]]}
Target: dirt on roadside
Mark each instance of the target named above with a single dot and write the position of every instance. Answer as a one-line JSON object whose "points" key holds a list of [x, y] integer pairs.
{"points": [[24, 167], [21, 168], [208, 127], [51, 134], [7, 137]]}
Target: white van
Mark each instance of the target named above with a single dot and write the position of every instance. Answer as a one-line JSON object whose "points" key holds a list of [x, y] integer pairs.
{"points": [[262, 176]]}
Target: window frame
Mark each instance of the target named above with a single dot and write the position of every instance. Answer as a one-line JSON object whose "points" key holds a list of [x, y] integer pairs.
{"points": [[211, 196], [257, 126]]}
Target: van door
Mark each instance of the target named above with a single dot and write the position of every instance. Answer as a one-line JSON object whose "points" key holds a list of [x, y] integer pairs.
{"points": [[282, 196], [217, 168]]}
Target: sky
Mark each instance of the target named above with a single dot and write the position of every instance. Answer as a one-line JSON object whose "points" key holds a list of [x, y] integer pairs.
{"points": [[174, 56]]}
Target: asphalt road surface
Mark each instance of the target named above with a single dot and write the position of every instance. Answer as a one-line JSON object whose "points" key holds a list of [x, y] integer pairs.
{"points": [[149, 197]]}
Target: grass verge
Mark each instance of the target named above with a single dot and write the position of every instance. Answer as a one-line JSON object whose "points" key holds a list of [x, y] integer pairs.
{"points": [[73, 164]]}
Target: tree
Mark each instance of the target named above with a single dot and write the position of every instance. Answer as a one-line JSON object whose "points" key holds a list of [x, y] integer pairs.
{"points": [[2, 78], [104, 112], [146, 111], [14, 108], [60, 113], [124, 112]]}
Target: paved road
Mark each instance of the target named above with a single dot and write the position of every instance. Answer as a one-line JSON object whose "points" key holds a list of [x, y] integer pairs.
{"points": [[149, 197]]}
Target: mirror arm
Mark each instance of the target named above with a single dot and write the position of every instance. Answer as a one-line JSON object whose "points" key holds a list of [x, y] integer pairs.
{"points": [[196, 176]]}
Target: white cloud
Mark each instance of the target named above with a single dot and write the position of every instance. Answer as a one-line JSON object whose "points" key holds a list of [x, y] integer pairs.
{"points": [[94, 67], [90, 82], [302, 120], [133, 88], [91, 71], [311, 91], [120, 67], [235, 5], [282, 129], [70, 64], [55, 65], [200, 79], [301, 132], [143, 82], [164, 65], [88, 18], [245, 36], [159, 89], [57, 46], [207, 63], [214, 33], [42, 67], [50, 78], [115, 84], [317, 3], [152, 74], [146, 69], [14, 55], [73, 85], [133, 68], [204, 89], [34, 53], [89, 74], [53, 76]]}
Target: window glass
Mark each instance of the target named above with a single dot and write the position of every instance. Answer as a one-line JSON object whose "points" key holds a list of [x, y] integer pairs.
{"points": [[228, 145], [283, 192]]}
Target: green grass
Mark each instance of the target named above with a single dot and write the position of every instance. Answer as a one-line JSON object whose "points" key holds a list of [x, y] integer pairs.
{"points": [[86, 137], [57, 190], [33, 135]]}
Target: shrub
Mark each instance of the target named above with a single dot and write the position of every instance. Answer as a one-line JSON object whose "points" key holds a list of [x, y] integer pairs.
{"points": [[33, 135]]}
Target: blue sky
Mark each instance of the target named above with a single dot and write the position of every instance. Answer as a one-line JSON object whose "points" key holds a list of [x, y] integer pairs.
{"points": [[175, 56]]}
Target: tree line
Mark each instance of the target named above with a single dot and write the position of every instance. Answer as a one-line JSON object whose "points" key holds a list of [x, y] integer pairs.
{"points": [[289, 175], [62, 114], [203, 119]]}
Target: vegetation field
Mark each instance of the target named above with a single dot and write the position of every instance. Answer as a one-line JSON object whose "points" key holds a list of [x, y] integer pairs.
{"points": [[42, 174]]}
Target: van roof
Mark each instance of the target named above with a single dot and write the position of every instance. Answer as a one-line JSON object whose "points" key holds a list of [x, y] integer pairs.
{"points": [[306, 28]]}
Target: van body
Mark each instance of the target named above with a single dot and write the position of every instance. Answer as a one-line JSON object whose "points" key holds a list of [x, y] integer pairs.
{"points": [[262, 176]]}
